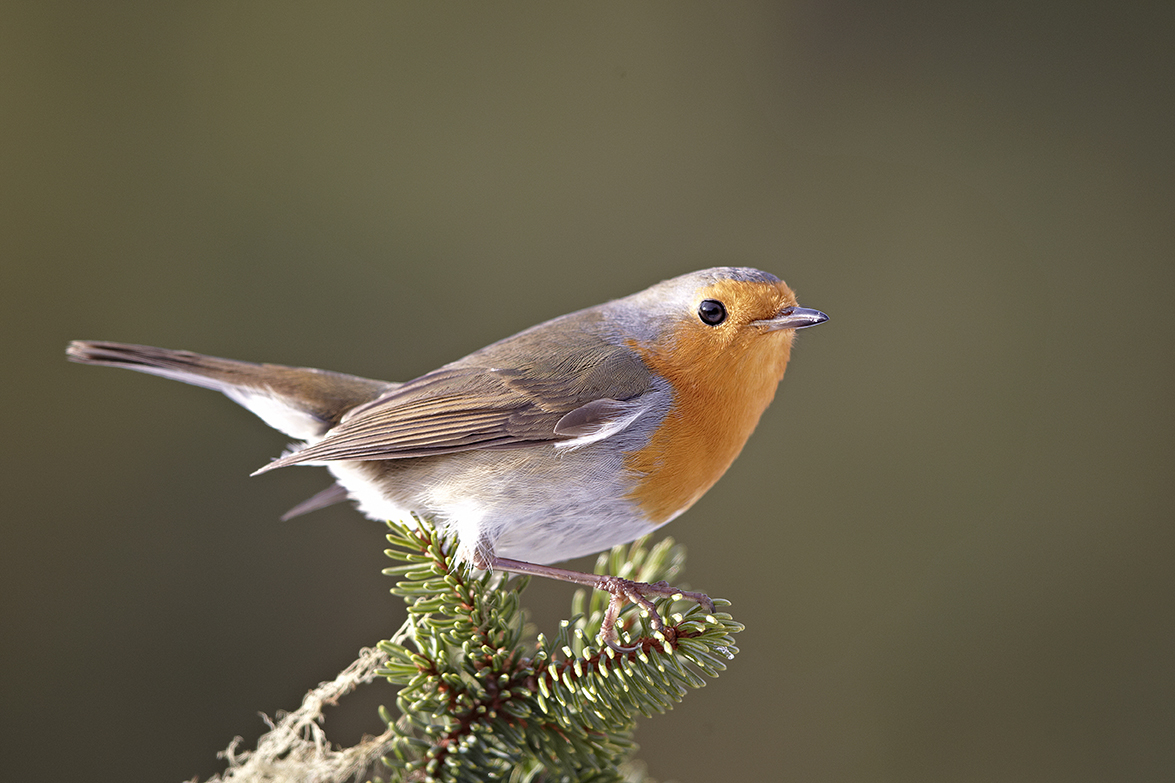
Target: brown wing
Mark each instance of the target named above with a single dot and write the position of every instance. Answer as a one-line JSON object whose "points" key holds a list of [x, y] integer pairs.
{"points": [[460, 408]]}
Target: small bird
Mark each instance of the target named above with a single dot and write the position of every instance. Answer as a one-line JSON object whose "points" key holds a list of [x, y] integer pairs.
{"points": [[573, 436]]}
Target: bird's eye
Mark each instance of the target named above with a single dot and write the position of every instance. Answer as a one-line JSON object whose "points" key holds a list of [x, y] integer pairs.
{"points": [[712, 312]]}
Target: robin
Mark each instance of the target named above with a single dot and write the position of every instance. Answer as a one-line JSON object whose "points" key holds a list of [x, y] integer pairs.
{"points": [[568, 438]]}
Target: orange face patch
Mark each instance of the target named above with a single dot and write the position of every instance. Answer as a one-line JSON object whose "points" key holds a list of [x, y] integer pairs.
{"points": [[723, 378]]}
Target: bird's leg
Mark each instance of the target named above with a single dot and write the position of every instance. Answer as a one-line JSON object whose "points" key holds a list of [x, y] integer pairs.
{"points": [[623, 591]]}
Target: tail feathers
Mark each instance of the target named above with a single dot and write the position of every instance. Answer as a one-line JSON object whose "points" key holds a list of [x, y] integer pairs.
{"points": [[335, 493], [299, 401]]}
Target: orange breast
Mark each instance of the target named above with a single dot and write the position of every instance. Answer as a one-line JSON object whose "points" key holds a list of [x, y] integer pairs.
{"points": [[719, 395]]}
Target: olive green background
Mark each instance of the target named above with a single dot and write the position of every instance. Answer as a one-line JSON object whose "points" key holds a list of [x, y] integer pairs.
{"points": [[952, 537]]}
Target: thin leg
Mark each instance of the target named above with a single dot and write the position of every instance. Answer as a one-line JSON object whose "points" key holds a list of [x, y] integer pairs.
{"points": [[623, 591]]}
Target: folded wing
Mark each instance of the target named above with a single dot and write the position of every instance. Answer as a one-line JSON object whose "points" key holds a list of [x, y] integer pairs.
{"points": [[460, 408]]}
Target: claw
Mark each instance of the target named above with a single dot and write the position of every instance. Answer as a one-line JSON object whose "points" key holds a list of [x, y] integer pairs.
{"points": [[623, 591], [626, 591]]}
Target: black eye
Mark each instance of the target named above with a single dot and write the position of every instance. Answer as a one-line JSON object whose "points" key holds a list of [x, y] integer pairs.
{"points": [[712, 312]]}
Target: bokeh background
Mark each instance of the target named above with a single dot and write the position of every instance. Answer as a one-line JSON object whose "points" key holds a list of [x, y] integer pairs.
{"points": [[952, 538]]}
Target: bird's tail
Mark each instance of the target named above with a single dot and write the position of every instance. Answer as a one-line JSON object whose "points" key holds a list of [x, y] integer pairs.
{"points": [[301, 402]]}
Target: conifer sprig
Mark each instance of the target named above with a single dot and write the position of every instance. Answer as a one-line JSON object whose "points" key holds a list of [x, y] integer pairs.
{"points": [[478, 702]]}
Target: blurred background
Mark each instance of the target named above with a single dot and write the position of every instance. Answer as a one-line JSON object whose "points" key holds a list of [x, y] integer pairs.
{"points": [[952, 537]]}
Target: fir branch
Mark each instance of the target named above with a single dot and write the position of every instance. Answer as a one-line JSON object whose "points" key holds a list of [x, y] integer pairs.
{"points": [[479, 702], [474, 707]]}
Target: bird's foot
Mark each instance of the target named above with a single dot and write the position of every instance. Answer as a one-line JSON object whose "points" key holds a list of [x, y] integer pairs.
{"points": [[623, 592], [626, 591]]}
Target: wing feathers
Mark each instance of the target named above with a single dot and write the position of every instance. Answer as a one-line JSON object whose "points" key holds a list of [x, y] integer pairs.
{"points": [[462, 408]]}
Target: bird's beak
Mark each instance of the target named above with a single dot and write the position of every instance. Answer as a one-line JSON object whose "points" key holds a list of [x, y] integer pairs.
{"points": [[793, 318]]}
